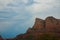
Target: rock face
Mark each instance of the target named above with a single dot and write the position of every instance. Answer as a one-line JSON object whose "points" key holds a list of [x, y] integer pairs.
{"points": [[49, 25], [39, 24], [52, 24]]}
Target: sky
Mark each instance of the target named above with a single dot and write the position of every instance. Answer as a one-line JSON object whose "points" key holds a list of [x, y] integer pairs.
{"points": [[16, 16]]}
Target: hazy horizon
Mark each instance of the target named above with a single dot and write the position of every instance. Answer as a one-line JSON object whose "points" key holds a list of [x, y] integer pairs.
{"points": [[16, 16]]}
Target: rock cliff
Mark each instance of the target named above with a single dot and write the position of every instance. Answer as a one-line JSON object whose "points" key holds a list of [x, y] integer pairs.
{"points": [[50, 25]]}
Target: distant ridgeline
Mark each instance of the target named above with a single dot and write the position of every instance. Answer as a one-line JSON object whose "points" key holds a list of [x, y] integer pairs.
{"points": [[48, 29]]}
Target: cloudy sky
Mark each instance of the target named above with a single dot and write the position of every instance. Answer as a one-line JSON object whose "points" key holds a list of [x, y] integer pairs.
{"points": [[16, 16]]}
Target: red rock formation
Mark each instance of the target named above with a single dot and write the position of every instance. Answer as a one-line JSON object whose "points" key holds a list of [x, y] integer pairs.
{"points": [[52, 24], [39, 24]]}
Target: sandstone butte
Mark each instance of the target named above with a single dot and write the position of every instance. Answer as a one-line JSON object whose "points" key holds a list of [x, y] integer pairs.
{"points": [[50, 26]]}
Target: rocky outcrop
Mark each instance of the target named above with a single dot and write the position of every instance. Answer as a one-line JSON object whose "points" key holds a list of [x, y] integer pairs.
{"points": [[52, 24], [39, 24]]}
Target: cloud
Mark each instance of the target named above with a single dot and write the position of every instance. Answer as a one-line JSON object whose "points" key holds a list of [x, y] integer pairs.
{"points": [[3, 3], [31, 5], [41, 6]]}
